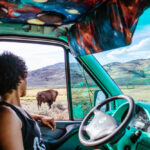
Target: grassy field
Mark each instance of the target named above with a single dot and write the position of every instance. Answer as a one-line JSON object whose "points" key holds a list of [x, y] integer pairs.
{"points": [[137, 92], [59, 109]]}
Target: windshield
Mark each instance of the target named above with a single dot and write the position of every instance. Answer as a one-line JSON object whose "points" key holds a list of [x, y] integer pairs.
{"points": [[129, 66]]}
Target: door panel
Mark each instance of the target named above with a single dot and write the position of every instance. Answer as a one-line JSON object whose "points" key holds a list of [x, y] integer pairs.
{"points": [[64, 137]]}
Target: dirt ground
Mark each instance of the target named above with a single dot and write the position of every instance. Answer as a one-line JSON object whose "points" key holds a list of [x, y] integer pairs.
{"points": [[58, 111]]}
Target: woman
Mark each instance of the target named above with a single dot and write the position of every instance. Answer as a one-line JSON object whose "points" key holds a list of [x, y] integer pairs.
{"points": [[18, 129]]}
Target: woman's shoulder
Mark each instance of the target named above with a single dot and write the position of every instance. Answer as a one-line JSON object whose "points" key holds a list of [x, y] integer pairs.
{"points": [[6, 111], [10, 129], [8, 115]]}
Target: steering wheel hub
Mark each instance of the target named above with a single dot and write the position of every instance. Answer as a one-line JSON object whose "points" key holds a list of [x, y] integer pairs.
{"points": [[101, 125]]}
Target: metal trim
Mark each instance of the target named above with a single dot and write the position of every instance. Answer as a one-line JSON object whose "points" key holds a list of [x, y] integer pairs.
{"points": [[32, 39]]}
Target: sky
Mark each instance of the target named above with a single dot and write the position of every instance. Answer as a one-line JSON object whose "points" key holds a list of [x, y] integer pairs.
{"points": [[138, 49], [40, 55], [44, 55]]}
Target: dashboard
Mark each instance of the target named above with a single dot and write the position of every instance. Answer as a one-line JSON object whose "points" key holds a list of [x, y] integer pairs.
{"points": [[140, 120], [137, 135]]}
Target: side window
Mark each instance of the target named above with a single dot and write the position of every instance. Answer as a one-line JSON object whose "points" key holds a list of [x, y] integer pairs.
{"points": [[83, 88], [46, 71]]}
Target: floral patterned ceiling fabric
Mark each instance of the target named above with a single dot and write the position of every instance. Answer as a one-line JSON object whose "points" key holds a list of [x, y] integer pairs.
{"points": [[45, 12], [97, 25]]}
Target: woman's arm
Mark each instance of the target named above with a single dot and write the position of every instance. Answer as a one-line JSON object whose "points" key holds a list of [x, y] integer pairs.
{"points": [[46, 120], [10, 130]]}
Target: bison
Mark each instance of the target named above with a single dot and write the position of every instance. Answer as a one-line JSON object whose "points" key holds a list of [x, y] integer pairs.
{"points": [[48, 96]]}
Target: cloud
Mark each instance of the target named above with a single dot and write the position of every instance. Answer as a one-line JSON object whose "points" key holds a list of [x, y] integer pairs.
{"points": [[142, 45], [35, 55], [139, 50]]}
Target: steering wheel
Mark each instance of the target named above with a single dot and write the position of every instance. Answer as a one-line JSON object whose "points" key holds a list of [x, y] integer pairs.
{"points": [[101, 127]]}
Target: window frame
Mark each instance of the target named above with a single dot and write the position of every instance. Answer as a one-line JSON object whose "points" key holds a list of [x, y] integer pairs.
{"points": [[82, 61], [46, 41], [109, 91]]}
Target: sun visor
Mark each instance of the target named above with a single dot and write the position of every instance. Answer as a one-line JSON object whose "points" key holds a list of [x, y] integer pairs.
{"points": [[110, 26]]}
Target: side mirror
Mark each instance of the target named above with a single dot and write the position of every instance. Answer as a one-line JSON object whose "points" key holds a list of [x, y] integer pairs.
{"points": [[99, 96]]}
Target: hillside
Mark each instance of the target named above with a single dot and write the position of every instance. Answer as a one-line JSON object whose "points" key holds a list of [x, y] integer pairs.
{"points": [[53, 76], [50, 76], [135, 72]]}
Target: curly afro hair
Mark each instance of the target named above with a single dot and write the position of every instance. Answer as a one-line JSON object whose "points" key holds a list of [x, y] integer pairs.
{"points": [[12, 69]]}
